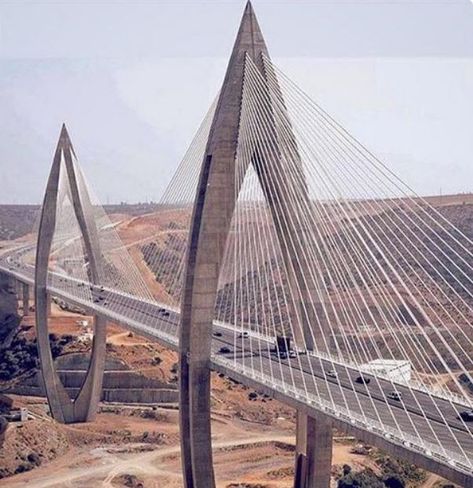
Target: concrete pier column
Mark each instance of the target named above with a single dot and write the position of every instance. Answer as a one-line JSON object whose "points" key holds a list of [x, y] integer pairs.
{"points": [[48, 304], [26, 300], [314, 443], [85, 405], [18, 290]]}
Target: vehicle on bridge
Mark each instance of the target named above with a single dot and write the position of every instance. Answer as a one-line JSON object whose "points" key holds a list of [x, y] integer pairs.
{"points": [[395, 395], [466, 415]]}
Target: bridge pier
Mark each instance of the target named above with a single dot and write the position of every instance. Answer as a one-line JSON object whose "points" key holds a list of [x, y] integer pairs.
{"points": [[18, 290], [26, 299], [11, 285], [211, 219], [313, 459], [85, 405], [48, 304]]}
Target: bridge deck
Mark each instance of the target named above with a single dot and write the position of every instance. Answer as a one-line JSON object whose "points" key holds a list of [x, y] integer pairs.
{"points": [[423, 419]]}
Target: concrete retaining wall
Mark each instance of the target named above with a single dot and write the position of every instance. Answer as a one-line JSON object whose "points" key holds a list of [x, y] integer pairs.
{"points": [[120, 384], [116, 395]]}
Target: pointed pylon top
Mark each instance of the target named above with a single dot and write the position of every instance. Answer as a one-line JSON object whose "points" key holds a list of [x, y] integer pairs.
{"points": [[250, 38], [64, 140], [225, 124]]}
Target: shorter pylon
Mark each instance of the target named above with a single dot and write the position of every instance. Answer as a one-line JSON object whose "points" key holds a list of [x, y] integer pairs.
{"points": [[62, 408]]}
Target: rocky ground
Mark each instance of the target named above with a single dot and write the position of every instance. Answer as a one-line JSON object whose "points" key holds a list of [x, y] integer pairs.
{"points": [[133, 447]]}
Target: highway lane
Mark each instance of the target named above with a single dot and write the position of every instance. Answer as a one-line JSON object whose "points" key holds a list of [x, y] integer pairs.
{"points": [[415, 401], [367, 401]]}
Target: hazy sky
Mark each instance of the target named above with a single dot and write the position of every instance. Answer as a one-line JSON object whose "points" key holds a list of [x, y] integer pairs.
{"points": [[133, 79]]}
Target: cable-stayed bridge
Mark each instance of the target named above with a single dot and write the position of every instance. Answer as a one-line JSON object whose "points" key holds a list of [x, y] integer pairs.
{"points": [[287, 256]]}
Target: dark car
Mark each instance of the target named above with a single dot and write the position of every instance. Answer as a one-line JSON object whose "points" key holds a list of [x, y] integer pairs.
{"points": [[225, 350], [363, 380], [395, 395], [467, 415], [217, 334]]}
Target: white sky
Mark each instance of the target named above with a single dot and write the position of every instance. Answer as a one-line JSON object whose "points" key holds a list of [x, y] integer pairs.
{"points": [[132, 81]]}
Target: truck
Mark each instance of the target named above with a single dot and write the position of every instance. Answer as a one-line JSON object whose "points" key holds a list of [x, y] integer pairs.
{"points": [[283, 344]]}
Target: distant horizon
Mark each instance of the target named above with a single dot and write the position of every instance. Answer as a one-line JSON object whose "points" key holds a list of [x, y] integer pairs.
{"points": [[397, 75], [157, 203]]}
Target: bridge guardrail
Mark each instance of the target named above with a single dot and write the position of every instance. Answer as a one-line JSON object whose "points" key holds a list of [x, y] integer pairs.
{"points": [[416, 385], [407, 441]]}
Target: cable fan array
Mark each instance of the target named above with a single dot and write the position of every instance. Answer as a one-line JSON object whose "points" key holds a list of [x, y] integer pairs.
{"points": [[139, 278], [165, 251], [334, 272], [69, 262], [328, 248]]}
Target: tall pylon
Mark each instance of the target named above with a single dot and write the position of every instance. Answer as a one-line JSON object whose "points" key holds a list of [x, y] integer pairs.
{"points": [[84, 407], [211, 219]]}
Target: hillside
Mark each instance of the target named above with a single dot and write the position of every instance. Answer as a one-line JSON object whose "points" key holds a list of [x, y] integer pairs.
{"points": [[263, 291]]}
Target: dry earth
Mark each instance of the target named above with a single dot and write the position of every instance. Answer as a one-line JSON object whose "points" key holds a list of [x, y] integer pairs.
{"points": [[118, 447]]}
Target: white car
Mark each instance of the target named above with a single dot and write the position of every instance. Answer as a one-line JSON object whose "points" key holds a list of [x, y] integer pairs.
{"points": [[332, 373]]}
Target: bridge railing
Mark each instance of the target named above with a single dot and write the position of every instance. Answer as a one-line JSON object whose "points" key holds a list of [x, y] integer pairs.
{"points": [[439, 393], [394, 436], [416, 385]]}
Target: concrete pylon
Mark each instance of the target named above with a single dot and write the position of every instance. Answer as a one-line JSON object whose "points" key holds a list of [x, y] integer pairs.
{"points": [[84, 407], [212, 213], [210, 224]]}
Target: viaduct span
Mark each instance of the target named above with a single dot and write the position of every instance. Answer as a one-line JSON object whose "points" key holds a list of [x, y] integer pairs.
{"points": [[261, 174]]}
